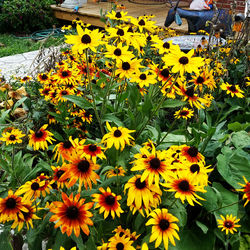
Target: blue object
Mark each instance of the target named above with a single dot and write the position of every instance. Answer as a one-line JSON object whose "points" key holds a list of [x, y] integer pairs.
{"points": [[76, 9], [178, 20], [197, 19]]}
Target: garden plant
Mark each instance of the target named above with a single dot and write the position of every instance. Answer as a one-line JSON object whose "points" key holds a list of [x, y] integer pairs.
{"points": [[128, 143]]}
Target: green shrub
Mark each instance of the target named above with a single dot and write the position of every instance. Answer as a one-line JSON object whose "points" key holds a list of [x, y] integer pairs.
{"points": [[25, 16]]}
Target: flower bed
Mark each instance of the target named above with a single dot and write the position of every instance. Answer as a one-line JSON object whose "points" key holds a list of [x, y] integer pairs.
{"points": [[128, 143]]}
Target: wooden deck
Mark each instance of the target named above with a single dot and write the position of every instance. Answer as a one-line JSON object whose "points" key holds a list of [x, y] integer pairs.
{"points": [[90, 13]]}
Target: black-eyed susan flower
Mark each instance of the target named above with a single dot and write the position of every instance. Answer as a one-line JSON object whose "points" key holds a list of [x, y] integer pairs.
{"points": [[116, 242], [183, 62], [128, 68], [108, 203], [40, 138], [164, 227], [84, 39], [118, 15], [43, 78], [80, 168], [26, 79], [246, 190], [191, 154], [140, 193], [12, 137], [119, 52], [31, 189], [117, 136], [57, 173], [232, 89], [228, 224], [26, 217], [72, 214], [185, 187], [184, 113], [116, 171], [153, 165], [144, 78], [144, 23], [93, 151], [11, 206]]}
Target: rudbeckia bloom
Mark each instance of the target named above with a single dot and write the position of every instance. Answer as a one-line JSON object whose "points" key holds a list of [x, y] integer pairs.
{"points": [[26, 217], [119, 15], [184, 113], [40, 138], [183, 62], [93, 151], [72, 214], [116, 243], [12, 137], [163, 227], [246, 190], [57, 173], [82, 169], [191, 154], [232, 89], [108, 203], [11, 206], [117, 171], [140, 192], [128, 68], [228, 224], [118, 52], [84, 39], [117, 136], [153, 165], [185, 187]]}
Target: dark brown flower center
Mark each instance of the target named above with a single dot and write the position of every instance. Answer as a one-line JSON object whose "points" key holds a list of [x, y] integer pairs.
{"points": [[117, 52], [44, 77], [64, 92], [193, 151], [26, 215], [59, 173], [119, 246], [12, 137], [110, 200], [149, 38], [67, 144], [117, 133], [65, 73], [183, 60], [120, 32], [118, 15], [86, 39], [10, 203], [125, 66], [190, 92], [228, 224], [35, 186], [72, 212], [155, 163], [164, 224], [83, 166], [130, 30], [92, 147], [184, 113], [166, 45], [142, 22], [139, 184], [195, 168], [232, 88], [200, 80], [143, 76], [165, 73], [39, 134], [183, 185]]}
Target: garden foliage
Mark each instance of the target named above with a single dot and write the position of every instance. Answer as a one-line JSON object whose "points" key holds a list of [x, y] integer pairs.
{"points": [[26, 16], [128, 143]]}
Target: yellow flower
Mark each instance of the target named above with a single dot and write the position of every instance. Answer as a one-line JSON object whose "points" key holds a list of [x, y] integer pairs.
{"points": [[228, 224], [117, 136], [232, 89], [12, 137], [184, 113]]}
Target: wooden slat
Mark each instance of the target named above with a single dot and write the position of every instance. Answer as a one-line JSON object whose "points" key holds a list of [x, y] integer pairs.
{"points": [[90, 13]]}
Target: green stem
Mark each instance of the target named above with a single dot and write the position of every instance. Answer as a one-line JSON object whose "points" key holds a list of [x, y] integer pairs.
{"points": [[229, 205], [226, 243], [172, 203], [92, 94]]}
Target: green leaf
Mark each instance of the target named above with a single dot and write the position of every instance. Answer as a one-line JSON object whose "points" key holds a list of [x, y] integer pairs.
{"points": [[173, 103], [232, 165], [5, 240], [203, 227], [19, 102], [241, 139], [79, 101], [112, 118]]}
